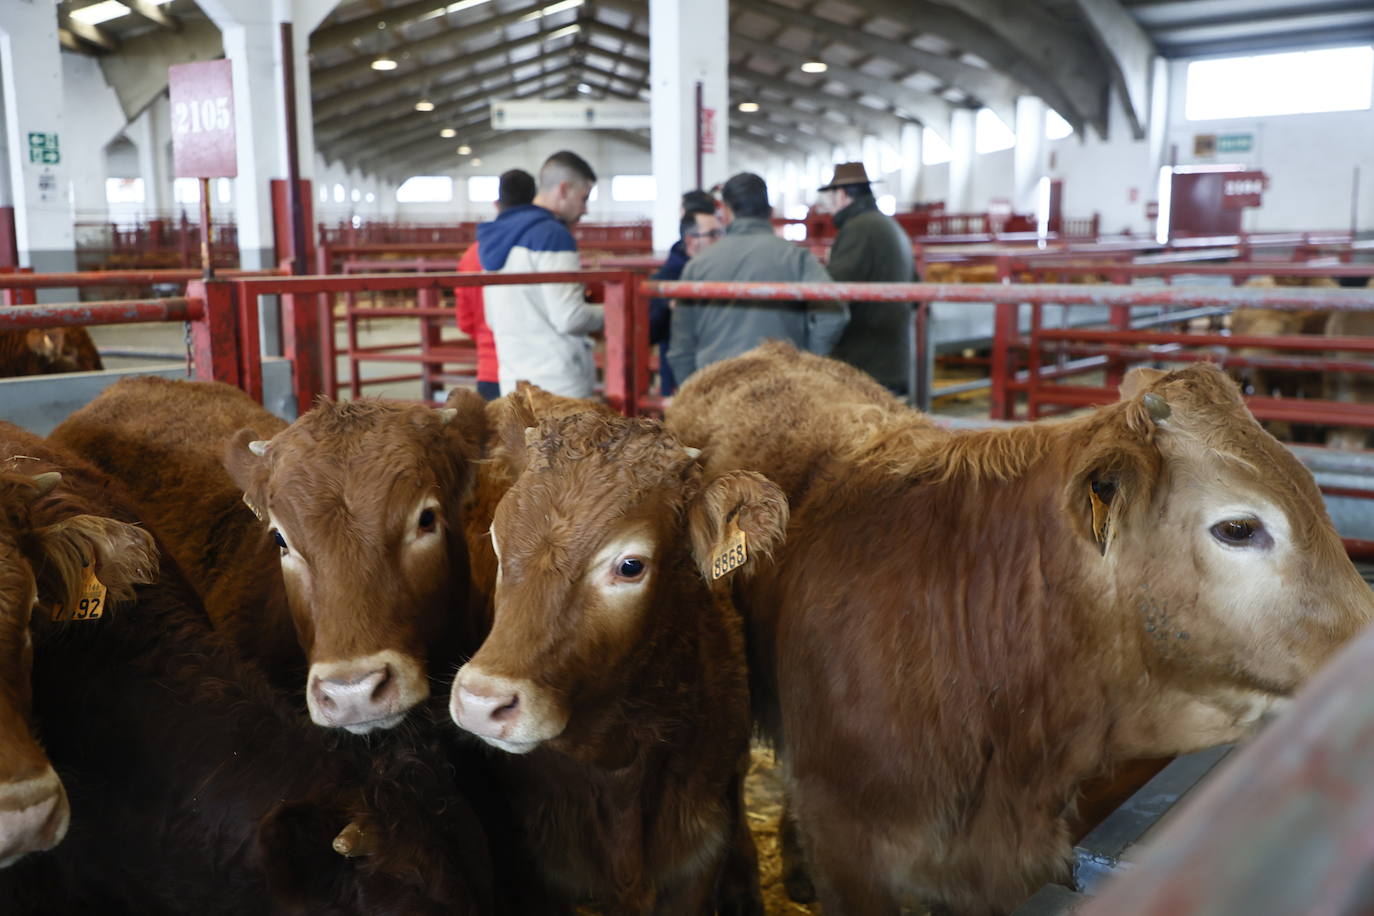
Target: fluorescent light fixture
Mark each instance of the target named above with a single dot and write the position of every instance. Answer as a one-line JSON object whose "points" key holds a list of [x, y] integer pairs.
{"points": [[451, 8], [748, 107], [476, 162], [97, 13], [448, 133], [384, 63], [583, 88], [424, 105], [464, 150], [560, 33], [815, 66], [551, 10]]}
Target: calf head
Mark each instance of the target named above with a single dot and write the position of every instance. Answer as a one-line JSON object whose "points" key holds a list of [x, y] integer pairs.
{"points": [[46, 565], [604, 539], [1216, 549], [361, 499]]}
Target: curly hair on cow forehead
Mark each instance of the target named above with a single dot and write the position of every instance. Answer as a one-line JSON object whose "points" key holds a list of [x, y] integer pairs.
{"points": [[638, 442]]}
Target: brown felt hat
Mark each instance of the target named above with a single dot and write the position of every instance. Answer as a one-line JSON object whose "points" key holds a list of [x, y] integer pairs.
{"points": [[847, 173]]}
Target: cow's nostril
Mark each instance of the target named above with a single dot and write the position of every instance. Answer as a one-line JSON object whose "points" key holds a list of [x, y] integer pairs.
{"points": [[508, 710], [387, 687]]}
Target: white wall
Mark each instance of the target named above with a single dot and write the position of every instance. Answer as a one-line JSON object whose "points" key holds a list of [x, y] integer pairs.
{"points": [[94, 118], [1100, 174]]}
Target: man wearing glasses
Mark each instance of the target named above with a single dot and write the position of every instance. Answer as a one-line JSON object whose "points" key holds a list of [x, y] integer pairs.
{"points": [[700, 228]]}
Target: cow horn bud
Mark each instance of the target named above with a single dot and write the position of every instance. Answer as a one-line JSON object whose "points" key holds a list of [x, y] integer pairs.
{"points": [[531, 435], [258, 447], [693, 453], [1157, 407], [352, 842], [46, 481], [446, 414]]}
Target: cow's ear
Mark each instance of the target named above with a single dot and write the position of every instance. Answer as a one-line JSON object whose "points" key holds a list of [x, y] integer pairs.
{"points": [[738, 519], [246, 460], [512, 419], [46, 343], [1108, 481], [1138, 380], [124, 556]]}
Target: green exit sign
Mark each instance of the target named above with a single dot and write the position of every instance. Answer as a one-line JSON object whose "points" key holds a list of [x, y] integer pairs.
{"points": [[1235, 143], [43, 148]]}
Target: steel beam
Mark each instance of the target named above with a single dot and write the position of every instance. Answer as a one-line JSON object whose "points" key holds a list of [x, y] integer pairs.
{"points": [[991, 88], [344, 34], [151, 12], [89, 38], [874, 120], [325, 79], [930, 110], [1129, 53]]}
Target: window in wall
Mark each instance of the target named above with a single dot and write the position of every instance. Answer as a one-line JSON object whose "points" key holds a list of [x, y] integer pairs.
{"points": [[991, 133], [369, 197], [797, 211], [1056, 128], [186, 190], [124, 190], [324, 193], [338, 193], [634, 188], [794, 232], [355, 195], [225, 190], [1299, 82], [425, 189], [934, 148], [483, 189], [887, 203], [596, 192]]}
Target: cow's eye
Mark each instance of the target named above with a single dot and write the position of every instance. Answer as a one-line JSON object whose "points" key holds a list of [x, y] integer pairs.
{"points": [[280, 541], [1238, 532], [630, 568], [427, 520]]}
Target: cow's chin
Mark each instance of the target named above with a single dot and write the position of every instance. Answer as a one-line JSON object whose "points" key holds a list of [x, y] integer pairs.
{"points": [[382, 724], [512, 747]]}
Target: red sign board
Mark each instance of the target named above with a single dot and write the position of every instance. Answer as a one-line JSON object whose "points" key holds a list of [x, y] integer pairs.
{"points": [[708, 130], [202, 97], [1242, 189]]}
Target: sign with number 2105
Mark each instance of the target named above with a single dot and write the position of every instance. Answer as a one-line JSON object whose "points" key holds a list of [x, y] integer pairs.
{"points": [[202, 96]]}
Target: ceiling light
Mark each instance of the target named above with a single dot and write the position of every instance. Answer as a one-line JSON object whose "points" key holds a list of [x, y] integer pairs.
{"points": [[97, 13], [424, 105], [477, 162], [748, 107], [384, 63], [815, 66], [551, 10], [464, 150], [583, 87], [448, 132]]}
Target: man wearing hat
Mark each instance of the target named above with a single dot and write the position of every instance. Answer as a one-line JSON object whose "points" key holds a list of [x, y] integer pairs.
{"points": [[870, 248]]}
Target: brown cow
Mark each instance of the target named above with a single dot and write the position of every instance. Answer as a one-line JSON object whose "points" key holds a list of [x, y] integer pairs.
{"points": [[359, 559], [193, 788], [965, 626], [614, 672], [45, 351], [41, 566]]}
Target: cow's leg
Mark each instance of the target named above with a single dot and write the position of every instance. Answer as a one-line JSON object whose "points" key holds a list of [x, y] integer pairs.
{"points": [[737, 889], [796, 877], [847, 871]]}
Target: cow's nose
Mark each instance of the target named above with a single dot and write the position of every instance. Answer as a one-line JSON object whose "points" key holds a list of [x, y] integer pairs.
{"points": [[348, 698], [486, 710], [33, 816]]}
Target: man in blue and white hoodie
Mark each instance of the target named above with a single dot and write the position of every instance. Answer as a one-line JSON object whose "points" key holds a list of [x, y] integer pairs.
{"points": [[541, 329]]}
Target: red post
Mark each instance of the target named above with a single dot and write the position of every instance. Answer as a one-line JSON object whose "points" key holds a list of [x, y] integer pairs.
{"points": [[300, 325], [620, 338], [224, 339], [428, 298], [1002, 400]]}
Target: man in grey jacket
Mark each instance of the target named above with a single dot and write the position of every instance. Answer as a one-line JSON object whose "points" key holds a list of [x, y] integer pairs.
{"points": [[870, 248], [706, 331]]}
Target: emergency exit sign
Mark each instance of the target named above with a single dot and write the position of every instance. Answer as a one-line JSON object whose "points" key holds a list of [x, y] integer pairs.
{"points": [[1235, 143], [43, 149]]}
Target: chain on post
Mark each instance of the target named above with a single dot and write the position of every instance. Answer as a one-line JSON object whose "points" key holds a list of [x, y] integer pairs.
{"points": [[189, 359]]}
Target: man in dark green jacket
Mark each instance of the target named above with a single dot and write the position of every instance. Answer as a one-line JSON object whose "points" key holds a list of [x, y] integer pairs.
{"points": [[870, 248]]}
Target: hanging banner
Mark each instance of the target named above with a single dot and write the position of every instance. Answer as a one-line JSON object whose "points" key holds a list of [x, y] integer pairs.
{"points": [[708, 130], [203, 142], [568, 114]]}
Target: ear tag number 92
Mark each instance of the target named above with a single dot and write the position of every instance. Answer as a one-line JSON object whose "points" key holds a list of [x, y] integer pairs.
{"points": [[732, 554], [89, 606]]}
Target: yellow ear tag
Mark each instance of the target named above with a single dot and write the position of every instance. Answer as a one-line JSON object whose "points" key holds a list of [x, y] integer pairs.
{"points": [[89, 606], [731, 554], [1099, 517]]}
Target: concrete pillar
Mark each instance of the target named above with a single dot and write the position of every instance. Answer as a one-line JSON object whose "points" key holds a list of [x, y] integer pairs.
{"points": [[1030, 158], [963, 135], [147, 136], [31, 57], [909, 146], [690, 42]]}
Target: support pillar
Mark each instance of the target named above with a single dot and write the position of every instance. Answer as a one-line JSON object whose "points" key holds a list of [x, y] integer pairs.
{"points": [[962, 144], [38, 174], [689, 40], [1030, 158], [148, 133], [909, 178]]}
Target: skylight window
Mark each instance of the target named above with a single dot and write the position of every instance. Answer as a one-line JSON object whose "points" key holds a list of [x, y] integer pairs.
{"points": [[1056, 128], [97, 13], [991, 133], [421, 189], [934, 148], [483, 189], [1299, 82], [634, 188]]}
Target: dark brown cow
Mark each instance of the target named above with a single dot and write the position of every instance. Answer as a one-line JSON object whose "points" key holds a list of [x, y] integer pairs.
{"points": [[45, 351], [614, 672], [193, 788], [39, 567], [962, 627], [359, 559]]}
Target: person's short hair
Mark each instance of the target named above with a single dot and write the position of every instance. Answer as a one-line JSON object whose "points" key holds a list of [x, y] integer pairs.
{"points": [[565, 165], [746, 194], [698, 202], [858, 191], [515, 188]]}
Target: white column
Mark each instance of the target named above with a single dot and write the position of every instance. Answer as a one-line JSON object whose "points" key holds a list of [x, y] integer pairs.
{"points": [[31, 70], [689, 42], [143, 131], [909, 146], [1030, 158], [961, 167]]}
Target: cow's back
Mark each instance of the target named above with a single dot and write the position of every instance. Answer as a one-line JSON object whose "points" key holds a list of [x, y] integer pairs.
{"points": [[163, 440], [780, 411]]}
